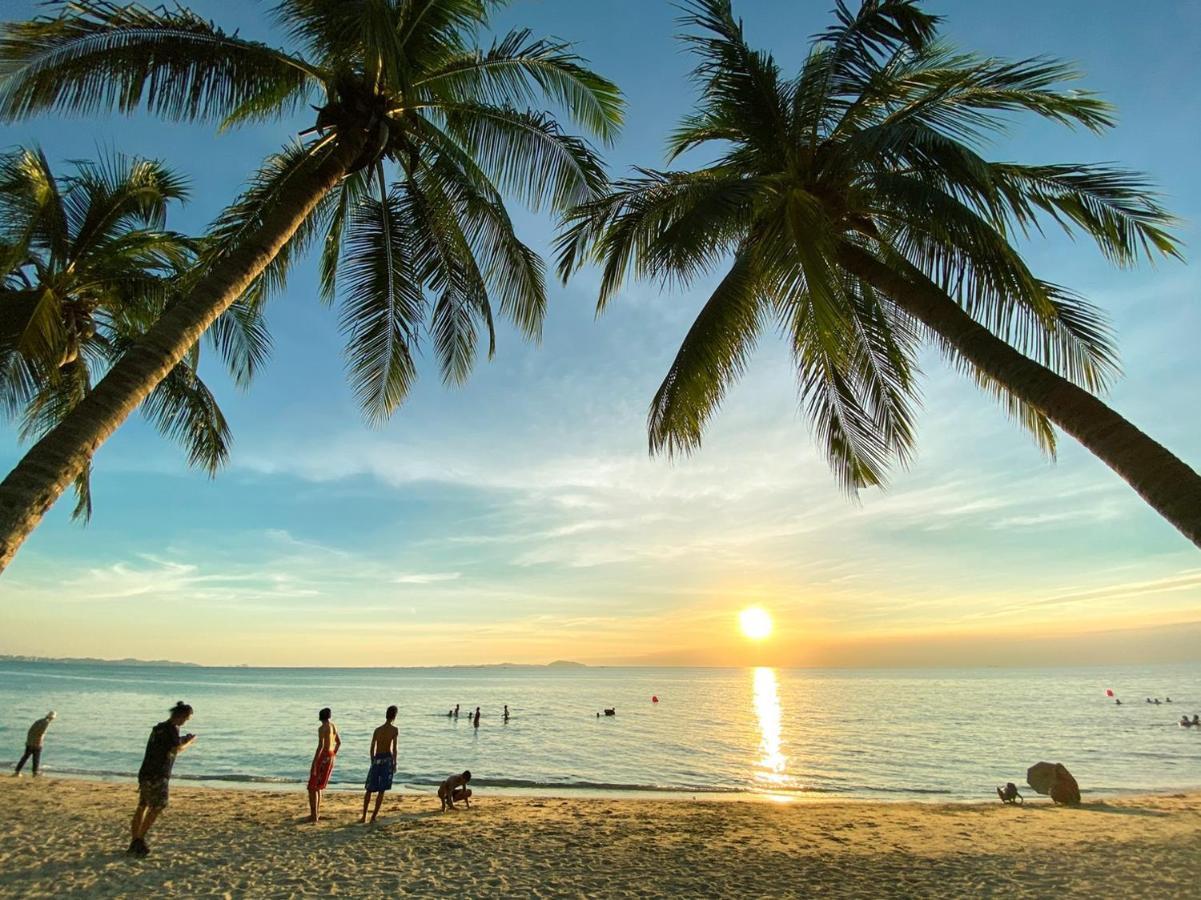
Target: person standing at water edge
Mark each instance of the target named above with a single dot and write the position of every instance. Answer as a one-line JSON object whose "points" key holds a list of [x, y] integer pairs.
{"points": [[154, 777], [328, 744], [34, 739], [383, 764], [476, 718]]}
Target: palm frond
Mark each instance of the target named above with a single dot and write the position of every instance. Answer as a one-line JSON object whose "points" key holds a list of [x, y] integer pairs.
{"points": [[449, 269], [512, 272], [96, 55], [268, 188], [185, 411], [740, 84], [240, 338], [382, 305], [526, 154], [521, 70], [712, 357], [1117, 208], [106, 197]]}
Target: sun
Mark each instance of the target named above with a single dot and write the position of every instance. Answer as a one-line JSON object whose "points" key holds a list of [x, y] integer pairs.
{"points": [[755, 623]]}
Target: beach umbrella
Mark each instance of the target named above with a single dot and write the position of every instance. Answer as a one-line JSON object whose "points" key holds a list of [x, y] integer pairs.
{"points": [[1041, 776]]}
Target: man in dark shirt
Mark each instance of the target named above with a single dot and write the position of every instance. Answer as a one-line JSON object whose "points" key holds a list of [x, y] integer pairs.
{"points": [[154, 776]]}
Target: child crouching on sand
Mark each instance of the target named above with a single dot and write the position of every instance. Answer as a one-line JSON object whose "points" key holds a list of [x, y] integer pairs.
{"points": [[455, 788]]}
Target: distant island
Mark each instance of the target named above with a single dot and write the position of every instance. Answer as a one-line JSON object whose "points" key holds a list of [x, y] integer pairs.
{"points": [[92, 661]]}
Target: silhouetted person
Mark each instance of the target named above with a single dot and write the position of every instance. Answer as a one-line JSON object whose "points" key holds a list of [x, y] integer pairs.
{"points": [[383, 763], [506, 712], [456, 710], [1196, 720], [476, 719], [328, 744], [154, 777], [35, 737]]}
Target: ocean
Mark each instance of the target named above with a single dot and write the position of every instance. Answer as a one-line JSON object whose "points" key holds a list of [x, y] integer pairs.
{"points": [[866, 734]]}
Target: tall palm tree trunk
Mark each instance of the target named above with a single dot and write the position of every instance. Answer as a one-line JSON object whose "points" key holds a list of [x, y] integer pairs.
{"points": [[52, 464], [1167, 483]]}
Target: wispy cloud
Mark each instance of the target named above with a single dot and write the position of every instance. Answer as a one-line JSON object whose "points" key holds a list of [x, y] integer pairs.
{"points": [[426, 577]]}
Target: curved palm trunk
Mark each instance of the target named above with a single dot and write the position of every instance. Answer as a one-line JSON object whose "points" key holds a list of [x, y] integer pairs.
{"points": [[53, 463], [1168, 484]]}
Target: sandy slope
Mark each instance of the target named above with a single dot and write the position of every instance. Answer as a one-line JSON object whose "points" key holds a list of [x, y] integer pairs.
{"points": [[68, 836]]}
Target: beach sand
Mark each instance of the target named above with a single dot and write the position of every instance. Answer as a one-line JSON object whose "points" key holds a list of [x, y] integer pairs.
{"points": [[67, 836]]}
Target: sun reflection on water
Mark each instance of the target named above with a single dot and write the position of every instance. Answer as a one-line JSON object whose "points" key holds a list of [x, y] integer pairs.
{"points": [[772, 765]]}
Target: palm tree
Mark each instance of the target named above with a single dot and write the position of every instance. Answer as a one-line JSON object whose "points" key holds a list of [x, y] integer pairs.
{"points": [[403, 89], [851, 207], [86, 267]]}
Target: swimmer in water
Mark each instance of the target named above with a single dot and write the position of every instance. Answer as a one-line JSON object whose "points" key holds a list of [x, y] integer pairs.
{"points": [[1196, 719]]}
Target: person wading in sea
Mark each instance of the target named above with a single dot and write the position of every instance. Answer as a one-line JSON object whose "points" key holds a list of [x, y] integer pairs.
{"points": [[34, 739], [154, 777], [328, 744]]}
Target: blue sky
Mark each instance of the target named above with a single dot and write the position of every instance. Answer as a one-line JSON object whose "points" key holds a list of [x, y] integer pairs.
{"points": [[520, 518]]}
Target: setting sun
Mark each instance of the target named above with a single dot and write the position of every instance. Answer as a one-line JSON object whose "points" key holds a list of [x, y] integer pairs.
{"points": [[755, 623]]}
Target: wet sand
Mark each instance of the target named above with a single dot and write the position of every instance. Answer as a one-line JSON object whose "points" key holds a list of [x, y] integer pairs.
{"points": [[67, 836]]}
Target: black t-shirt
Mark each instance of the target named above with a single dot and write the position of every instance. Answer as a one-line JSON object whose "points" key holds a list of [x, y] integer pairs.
{"points": [[160, 752]]}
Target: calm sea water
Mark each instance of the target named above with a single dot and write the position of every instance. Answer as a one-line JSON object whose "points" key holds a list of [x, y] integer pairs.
{"points": [[934, 734]]}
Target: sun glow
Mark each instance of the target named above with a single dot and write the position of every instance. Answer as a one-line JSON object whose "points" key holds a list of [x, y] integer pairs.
{"points": [[755, 623]]}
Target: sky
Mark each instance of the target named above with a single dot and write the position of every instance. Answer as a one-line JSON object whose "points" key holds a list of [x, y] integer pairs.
{"points": [[520, 518]]}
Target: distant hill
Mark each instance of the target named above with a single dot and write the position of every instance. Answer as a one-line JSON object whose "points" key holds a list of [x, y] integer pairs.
{"points": [[565, 664], [91, 661]]}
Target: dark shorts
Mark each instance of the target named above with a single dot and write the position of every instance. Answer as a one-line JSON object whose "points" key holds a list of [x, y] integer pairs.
{"points": [[379, 777], [152, 792]]}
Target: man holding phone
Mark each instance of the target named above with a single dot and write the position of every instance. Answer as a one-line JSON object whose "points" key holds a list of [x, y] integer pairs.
{"points": [[154, 777]]}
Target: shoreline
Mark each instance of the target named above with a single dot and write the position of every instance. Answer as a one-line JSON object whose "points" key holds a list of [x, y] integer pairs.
{"points": [[570, 792], [62, 836]]}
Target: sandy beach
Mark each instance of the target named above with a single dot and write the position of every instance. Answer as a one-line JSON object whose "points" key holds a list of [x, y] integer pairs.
{"points": [[67, 836]]}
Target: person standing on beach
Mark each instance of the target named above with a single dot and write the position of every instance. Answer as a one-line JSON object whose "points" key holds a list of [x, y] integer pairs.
{"points": [[328, 744], [383, 764], [154, 777], [34, 739], [476, 720]]}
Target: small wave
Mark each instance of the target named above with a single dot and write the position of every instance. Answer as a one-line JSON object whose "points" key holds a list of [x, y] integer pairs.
{"points": [[245, 779]]}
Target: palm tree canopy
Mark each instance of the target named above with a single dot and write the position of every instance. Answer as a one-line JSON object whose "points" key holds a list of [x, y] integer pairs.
{"points": [[876, 145], [417, 239], [86, 266]]}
